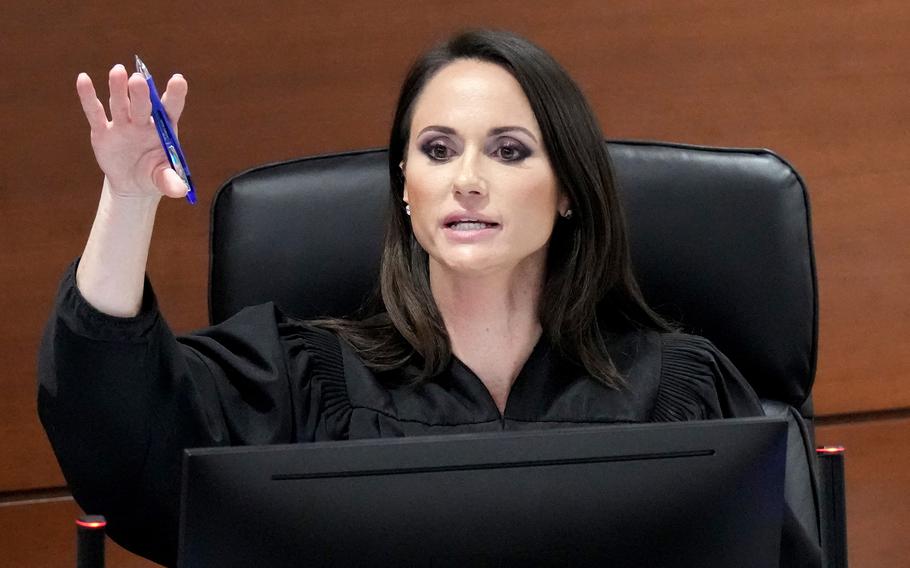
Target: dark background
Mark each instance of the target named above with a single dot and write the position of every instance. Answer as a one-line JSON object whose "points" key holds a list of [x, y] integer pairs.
{"points": [[823, 83]]}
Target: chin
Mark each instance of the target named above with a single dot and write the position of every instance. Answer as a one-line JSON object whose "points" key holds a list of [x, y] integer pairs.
{"points": [[470, 264], [473, 268], [477, 261]]}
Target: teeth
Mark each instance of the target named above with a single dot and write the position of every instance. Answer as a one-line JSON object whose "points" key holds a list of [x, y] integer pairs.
{"points": [[470, 225]]}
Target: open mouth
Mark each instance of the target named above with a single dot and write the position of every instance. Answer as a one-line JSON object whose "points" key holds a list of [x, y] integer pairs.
{"points": [[470, 225]]}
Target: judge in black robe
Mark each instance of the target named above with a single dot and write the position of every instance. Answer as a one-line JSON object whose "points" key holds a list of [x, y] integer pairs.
{"points": [[121, 398]]}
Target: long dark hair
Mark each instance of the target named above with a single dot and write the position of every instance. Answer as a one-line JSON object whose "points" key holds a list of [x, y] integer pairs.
{"points": [[589, 285]]}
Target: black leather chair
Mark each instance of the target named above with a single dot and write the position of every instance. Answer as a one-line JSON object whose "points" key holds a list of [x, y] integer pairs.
{"points": [[720, 239]]}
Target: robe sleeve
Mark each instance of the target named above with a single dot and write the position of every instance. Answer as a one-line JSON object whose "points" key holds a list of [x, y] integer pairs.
{"points": [[121, 398], [698, 382]]}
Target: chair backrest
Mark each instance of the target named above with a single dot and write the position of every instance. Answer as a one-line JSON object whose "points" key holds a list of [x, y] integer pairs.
{"points": [[720, 242]]}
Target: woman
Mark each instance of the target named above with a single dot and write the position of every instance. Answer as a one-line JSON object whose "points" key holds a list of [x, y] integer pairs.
{"points": [[507, 300]]}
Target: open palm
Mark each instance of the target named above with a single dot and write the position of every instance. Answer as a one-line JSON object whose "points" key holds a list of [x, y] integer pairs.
{"points": [[127, 147]]}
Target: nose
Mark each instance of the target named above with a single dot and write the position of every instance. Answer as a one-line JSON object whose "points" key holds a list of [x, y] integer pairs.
{"points": [[469, 179]]}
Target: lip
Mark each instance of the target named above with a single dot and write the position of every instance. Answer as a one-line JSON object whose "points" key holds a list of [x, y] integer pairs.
{"points": [[467, 216], [472, 235]]}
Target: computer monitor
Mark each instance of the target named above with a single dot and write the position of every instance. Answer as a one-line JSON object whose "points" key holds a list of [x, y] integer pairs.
{"points": [[681, 494]]}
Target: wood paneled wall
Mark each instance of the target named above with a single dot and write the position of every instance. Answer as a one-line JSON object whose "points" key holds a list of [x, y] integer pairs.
{"points": [[823, 83]]}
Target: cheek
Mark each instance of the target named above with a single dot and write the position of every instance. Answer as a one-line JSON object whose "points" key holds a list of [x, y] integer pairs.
{"points": [[425, 184], [424, 208], [535, 213], [537, 200]]}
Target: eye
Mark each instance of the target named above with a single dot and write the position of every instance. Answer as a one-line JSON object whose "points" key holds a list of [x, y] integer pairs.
{"points": [[511, 150], [438, 150]]}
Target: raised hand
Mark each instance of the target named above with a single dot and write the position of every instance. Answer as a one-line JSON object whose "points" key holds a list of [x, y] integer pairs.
{"points": [[127, 147], [136, 174]]}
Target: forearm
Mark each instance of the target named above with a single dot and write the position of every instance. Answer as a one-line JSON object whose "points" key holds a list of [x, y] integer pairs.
{"points": [[111, 272]]}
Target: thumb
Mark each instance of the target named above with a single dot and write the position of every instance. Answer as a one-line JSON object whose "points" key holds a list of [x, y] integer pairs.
{"points": [[169, 183]]}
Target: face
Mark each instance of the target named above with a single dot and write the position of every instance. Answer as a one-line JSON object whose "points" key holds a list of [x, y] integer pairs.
{"points": [[483, 196]]}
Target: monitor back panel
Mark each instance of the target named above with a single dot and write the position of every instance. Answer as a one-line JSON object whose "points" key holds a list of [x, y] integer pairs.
{"points": [[686, 494]]}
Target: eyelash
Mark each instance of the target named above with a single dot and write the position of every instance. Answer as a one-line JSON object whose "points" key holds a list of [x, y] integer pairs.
{"points": [[430, 148], [522, 152]]}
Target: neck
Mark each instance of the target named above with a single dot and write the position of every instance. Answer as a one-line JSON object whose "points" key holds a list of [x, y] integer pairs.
{"points": [[492, 320], [497, 305]]}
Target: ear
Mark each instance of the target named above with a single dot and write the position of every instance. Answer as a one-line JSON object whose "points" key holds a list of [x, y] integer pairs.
{"points": [[563, 204], [404, 196]]}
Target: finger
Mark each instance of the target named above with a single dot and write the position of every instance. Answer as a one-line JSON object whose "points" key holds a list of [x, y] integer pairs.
{"points": [[91, 106], [169, 183], [174, 98], [140, 103], [119, 100]]}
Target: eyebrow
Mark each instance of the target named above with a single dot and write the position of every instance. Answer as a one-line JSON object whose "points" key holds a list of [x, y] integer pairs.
{"points": [[504, 129], [493, 131]]}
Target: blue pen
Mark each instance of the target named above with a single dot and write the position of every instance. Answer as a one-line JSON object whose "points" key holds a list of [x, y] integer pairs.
{"points": [[166, 134]]}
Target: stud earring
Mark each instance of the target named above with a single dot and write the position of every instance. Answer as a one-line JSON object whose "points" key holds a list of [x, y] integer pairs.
{"points": [[567, 214], [407, 209]]}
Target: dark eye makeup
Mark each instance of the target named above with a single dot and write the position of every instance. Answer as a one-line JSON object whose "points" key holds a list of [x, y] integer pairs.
{"points": [[502, 148], [510, 150], [437, 149]]}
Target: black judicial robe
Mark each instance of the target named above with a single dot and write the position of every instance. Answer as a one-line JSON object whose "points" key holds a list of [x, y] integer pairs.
{"points": [[120, 398]]}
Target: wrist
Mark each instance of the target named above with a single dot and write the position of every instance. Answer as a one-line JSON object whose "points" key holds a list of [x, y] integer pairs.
{"points": [[126, 202]]}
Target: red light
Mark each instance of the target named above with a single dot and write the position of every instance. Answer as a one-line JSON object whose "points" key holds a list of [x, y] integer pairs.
{"points": [[830, 450], [91, 524]]}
